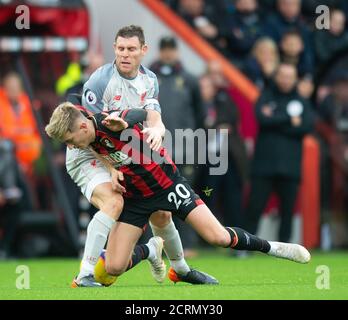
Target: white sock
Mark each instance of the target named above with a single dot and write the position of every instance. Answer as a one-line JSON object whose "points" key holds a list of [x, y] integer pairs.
{"points": [[152, 251], [172, 247], [97, 234]]}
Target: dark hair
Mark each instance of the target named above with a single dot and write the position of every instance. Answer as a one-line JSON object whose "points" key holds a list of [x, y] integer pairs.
{"points": [[168, 42], [292, 32], [131, 31]]}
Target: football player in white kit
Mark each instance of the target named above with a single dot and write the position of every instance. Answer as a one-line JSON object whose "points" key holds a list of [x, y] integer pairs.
{"points": [[123, 84]]}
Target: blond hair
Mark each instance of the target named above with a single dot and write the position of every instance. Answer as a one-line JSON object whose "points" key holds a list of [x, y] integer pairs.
{"points": [[265, 42], [62, 120]]}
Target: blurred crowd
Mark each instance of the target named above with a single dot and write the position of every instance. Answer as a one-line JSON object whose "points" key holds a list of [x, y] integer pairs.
{"points": [[302, 75], [20, 146], [277, 44]]}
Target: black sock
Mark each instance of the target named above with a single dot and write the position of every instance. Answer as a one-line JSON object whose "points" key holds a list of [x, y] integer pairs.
{"points": [[243, 240], [141, 252]]}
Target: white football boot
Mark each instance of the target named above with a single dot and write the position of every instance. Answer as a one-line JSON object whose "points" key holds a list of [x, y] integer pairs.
{"points": [[86, 282], [158, 267], [290, 251]]}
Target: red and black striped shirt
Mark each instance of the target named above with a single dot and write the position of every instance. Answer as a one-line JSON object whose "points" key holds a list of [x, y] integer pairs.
{"points": [[146, 172]]}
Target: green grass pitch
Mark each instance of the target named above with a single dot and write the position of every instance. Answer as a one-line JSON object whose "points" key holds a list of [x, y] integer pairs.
{"points": [[256, 277]]}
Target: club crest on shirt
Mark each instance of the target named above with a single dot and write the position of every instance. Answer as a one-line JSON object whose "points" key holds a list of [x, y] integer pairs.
{"points": [[107, 143], [142, 98]]}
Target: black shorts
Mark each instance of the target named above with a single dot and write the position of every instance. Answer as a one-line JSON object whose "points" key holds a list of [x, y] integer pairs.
{"points": [[179, 199]]}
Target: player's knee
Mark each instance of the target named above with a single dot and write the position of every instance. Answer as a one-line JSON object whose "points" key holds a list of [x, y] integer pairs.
{"points": [[219, 239], [161, 219], [114, 268]]}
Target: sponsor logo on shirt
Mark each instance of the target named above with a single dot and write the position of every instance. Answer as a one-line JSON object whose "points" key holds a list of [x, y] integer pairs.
{"points": [[118, 159]]}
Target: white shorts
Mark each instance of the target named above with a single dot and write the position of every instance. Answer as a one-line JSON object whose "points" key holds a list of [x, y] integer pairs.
{"points": [[86, 171]]}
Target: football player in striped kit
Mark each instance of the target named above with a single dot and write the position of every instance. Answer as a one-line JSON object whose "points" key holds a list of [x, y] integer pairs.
{"points": [[122, 84]]}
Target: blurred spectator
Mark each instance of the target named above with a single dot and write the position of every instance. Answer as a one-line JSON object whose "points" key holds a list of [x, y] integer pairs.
{"points": [[263, 62], [185, 111], [18, 123], [284, 118], [292, 51], [305, 87], [10, 197], [243, 28], [77, 73], [288, 17], [205, 20], [214, 70], [181, 105], [193, 12], [8, 178], [329, 42], [332, 126], [90, 62], [71, 76], [226, 196]]}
